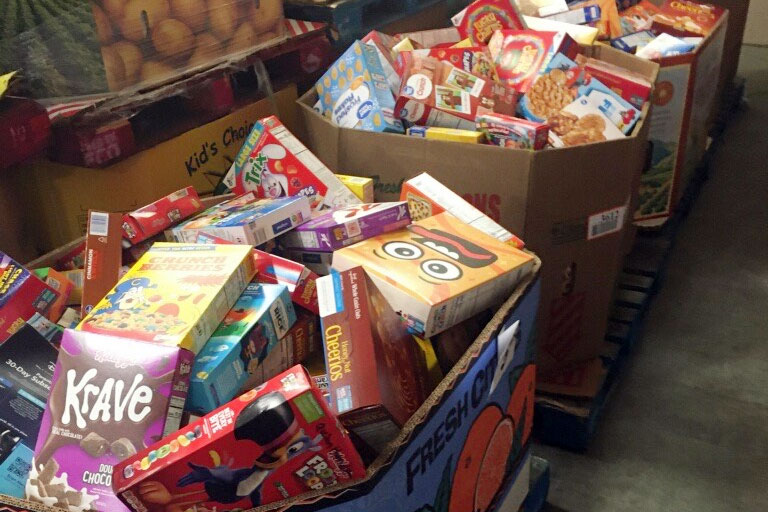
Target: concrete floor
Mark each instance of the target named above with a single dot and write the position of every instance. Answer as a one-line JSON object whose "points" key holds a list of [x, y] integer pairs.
{"points": [[687, 427]]}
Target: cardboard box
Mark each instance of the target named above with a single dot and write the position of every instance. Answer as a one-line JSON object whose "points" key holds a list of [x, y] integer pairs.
{"points": [[474, 59], [684, 18], [103, 257], [547, 198]]}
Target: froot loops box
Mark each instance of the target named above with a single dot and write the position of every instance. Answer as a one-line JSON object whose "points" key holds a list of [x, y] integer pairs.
{"points": [[273, 442]]}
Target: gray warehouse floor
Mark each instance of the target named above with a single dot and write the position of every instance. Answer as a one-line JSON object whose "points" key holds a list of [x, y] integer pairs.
{"points": [[687, 427]]}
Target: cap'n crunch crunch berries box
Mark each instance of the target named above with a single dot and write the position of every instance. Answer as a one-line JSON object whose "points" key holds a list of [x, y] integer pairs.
{"points": [[273, 442]]}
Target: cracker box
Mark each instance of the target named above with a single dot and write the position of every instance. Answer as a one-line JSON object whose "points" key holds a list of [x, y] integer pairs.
{"points": [[103, 257], [300, 280], [512, 132], [476, 60], [155, 218], [346, 226], [360, 186], [176, 294], [110, 398], [452, 134], [378, 377], [22, 294], [631, 86], [318, 262], [427, 197], [439, 271], [273, 163], [520, 55], [252, 223], [480, 19], [581, 122], [356, 92], [273, 442], [685, 18]]}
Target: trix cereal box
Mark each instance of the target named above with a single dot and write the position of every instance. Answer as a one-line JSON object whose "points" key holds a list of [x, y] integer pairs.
{"points": [[439, 271], [154, 218], [22, 294], [251, 223], [356, 93], [684, 18], [176, 294], [346, 226], [378, 377], [273, 163], [273, 442], [300, 280], [110, 398], [512, 132], [480, 19]]}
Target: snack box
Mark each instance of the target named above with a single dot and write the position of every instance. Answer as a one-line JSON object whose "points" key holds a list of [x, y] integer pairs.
{"points": [[252, 223], [384, 46], [476, 60], [439, 271], [318, 262], [356, 92], [520, 55], [176, 294], [452, 134], [110, 397], [28, 360], [273, 442], [22, 294], [69, 319], [480, 19], [427, 197], [300, 280], [103, 256], [581, 122], [665, 45], [59, 282], [631, 86], [512, 132], [631, 42], [684, 18], [377, 374], [155, 218], [434, 38], [638, 17], [273, 163], [361, 187], [346, 226], [578, 16]]}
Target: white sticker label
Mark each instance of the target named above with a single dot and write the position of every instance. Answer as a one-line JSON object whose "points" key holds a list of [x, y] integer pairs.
{"points": [[418, 86], [99, 225], [506, 346], [605, 223]]}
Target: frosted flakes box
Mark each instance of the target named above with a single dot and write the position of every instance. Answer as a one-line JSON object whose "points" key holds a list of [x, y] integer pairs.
{"points": [[480, 19], [154, 218], [512, 132], [22, 294], [438, 271], [273, 442], [110, 398], [176, 294], [356, 92], [273, 163], [346, 226], [251, 223], [581, 122]]}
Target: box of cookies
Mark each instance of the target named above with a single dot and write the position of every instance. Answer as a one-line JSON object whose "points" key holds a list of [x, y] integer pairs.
{"points": [[176, 294], [439, 271], [110, 398], [513, 132], [154, 218], [581, 122], [480, 19]]}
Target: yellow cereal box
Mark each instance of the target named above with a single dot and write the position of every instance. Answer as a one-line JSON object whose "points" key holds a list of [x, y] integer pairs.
{"points": [[361, 187], [175, 294], [439, 271]]}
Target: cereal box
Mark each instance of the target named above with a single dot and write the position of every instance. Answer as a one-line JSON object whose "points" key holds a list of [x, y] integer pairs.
{"points": [[665, 45], [476, 60], [252, 223], [273, 442], [450, 134], [513, 132], [578, 16], [520, 55], [154, 218], [300, 280], [377, 375], [110, 398], [480, 19], [361, 187], [273, 163], [384, 46], [22, 294], [346, 226], [633, 87], [318, 262], [609, 25], [103, 256], [439, 271], [684, 18], [631, 42], [427, 197], [356, 92], [176, 294], [62, 284], [435, 38], [581, 122], [638, 17]]}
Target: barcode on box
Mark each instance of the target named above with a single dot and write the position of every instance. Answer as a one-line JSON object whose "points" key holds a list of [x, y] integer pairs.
{"points": [[605, 223], [98, 224], [20, 468]]}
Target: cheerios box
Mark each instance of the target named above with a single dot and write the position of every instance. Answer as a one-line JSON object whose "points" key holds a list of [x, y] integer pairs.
{"points": [[438, 271], [356, 93], [175, 294], [273, 442]]}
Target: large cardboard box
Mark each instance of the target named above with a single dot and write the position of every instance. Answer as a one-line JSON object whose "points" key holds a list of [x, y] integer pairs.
{"points": [[63, 194], [552, 199]]}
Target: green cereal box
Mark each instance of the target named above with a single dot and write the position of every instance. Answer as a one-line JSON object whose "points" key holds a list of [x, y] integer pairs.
{"points": [[355, 92]]}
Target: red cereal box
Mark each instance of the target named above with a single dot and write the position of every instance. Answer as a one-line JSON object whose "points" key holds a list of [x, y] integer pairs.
{"points": [[633, 87], [480, 19], [22, 294], [476, 60], [684, 18], [301, 281], [275, 441], [163, 213]]}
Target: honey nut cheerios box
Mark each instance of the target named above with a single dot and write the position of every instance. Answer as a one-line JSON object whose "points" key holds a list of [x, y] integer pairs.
{"points": [[438, 271], [175, 294]]}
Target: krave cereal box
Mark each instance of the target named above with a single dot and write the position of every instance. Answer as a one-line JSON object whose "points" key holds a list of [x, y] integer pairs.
{"points": [[273, 442], [273, 163], [176, 294], [480, 19], [438, 271], [154, 218], [22, 294]]}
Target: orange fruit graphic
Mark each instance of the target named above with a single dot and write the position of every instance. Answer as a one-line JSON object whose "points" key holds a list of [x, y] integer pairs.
{"points": [[521, 396], [494, 465]]}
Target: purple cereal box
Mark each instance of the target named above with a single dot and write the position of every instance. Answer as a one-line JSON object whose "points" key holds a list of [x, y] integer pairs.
{"points": [[110, 398], [348, 225]]}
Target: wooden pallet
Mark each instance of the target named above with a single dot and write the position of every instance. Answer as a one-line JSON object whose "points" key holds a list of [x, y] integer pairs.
{"points": [[571, 423]]}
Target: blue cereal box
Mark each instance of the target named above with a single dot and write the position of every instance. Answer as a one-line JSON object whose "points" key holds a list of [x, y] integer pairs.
{"points": [[356, 94]]}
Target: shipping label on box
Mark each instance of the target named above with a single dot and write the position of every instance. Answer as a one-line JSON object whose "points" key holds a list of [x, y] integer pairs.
{"points": [[480, 19], [103, 257], [154, 218], [22, 294]]}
